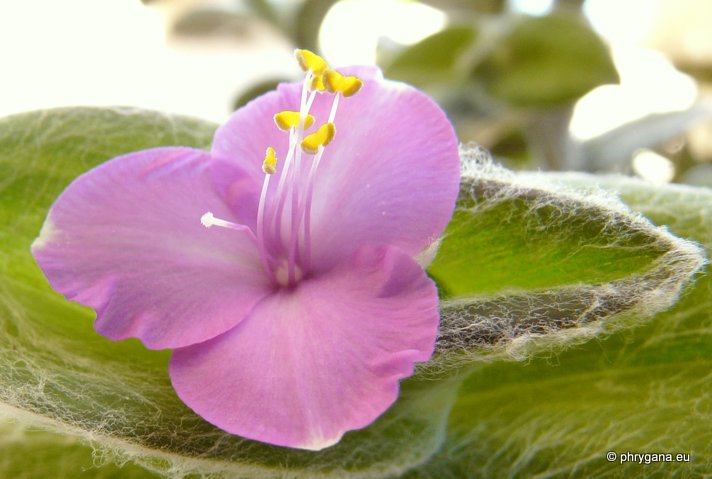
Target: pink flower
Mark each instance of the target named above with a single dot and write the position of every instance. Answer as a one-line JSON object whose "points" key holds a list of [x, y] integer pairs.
{"points": [[294, 323]]}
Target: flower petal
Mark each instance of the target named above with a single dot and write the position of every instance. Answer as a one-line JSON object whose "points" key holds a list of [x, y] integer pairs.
{"points": [[309, 364], [126, 239], [390, 176]]}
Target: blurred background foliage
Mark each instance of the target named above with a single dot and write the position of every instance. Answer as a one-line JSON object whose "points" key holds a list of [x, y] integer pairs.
{"points": [[592, 85]]}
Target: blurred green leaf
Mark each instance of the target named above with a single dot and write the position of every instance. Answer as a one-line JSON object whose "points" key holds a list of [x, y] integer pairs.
{"points": [[546, 61], [700, 175], [433, 59], [32, 454], [256, 90], [308, 22], [263, 8], [466, 6], [207, 21], [234, 19]]}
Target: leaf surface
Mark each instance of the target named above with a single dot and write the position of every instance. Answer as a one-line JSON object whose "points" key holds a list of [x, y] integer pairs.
{"points": [[544, 267], [644, 390]]}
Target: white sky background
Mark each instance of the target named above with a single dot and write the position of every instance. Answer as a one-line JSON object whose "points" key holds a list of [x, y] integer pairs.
{"points": [[116, 52]]}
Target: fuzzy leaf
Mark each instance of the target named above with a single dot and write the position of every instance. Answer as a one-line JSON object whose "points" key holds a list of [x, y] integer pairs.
{"points": [[55, 455], [647, 390], [58, 374], [527, 264]]}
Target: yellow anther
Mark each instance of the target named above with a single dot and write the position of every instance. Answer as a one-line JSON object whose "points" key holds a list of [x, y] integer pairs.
{"points": [[317, 83], [321, 137], [335, 82], [286, 120], [269, 166], [311, 61]]}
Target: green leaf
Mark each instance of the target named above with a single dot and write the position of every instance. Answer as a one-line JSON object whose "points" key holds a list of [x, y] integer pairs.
{"points": [[256, 90], [58, 374], [469, 7], [527, 265], [505, 235], [213, 21], [263, 8], [546, 61], [647, 390], [33, 454], [433, 59], [698, 175], [308, 19], [235, 20]]}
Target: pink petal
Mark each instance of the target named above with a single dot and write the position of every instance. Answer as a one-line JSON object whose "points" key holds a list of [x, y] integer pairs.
{"points": [[389, 177], [126, 239], [309, 364]]}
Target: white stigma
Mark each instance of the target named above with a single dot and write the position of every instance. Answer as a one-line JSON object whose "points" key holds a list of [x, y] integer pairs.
{"points": [[208, 220]]}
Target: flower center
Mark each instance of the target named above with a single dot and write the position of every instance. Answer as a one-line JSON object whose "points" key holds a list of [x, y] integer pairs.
{"points": [[283, 228]]}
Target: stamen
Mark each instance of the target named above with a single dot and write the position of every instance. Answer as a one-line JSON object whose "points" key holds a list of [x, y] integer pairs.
{"points": [[303, 98], [321, 137], [310, 190], [310, 61], [295, 135], [334, 106], [269, 165], [286, 120], [335, 82], [296, 215], [317, 83], [280, 194], [307, 207], [294, 221], [289, 258], [310, 101]]}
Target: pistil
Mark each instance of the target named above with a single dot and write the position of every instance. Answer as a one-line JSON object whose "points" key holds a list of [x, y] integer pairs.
{"points": [[209, 220], [269, 167]]}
